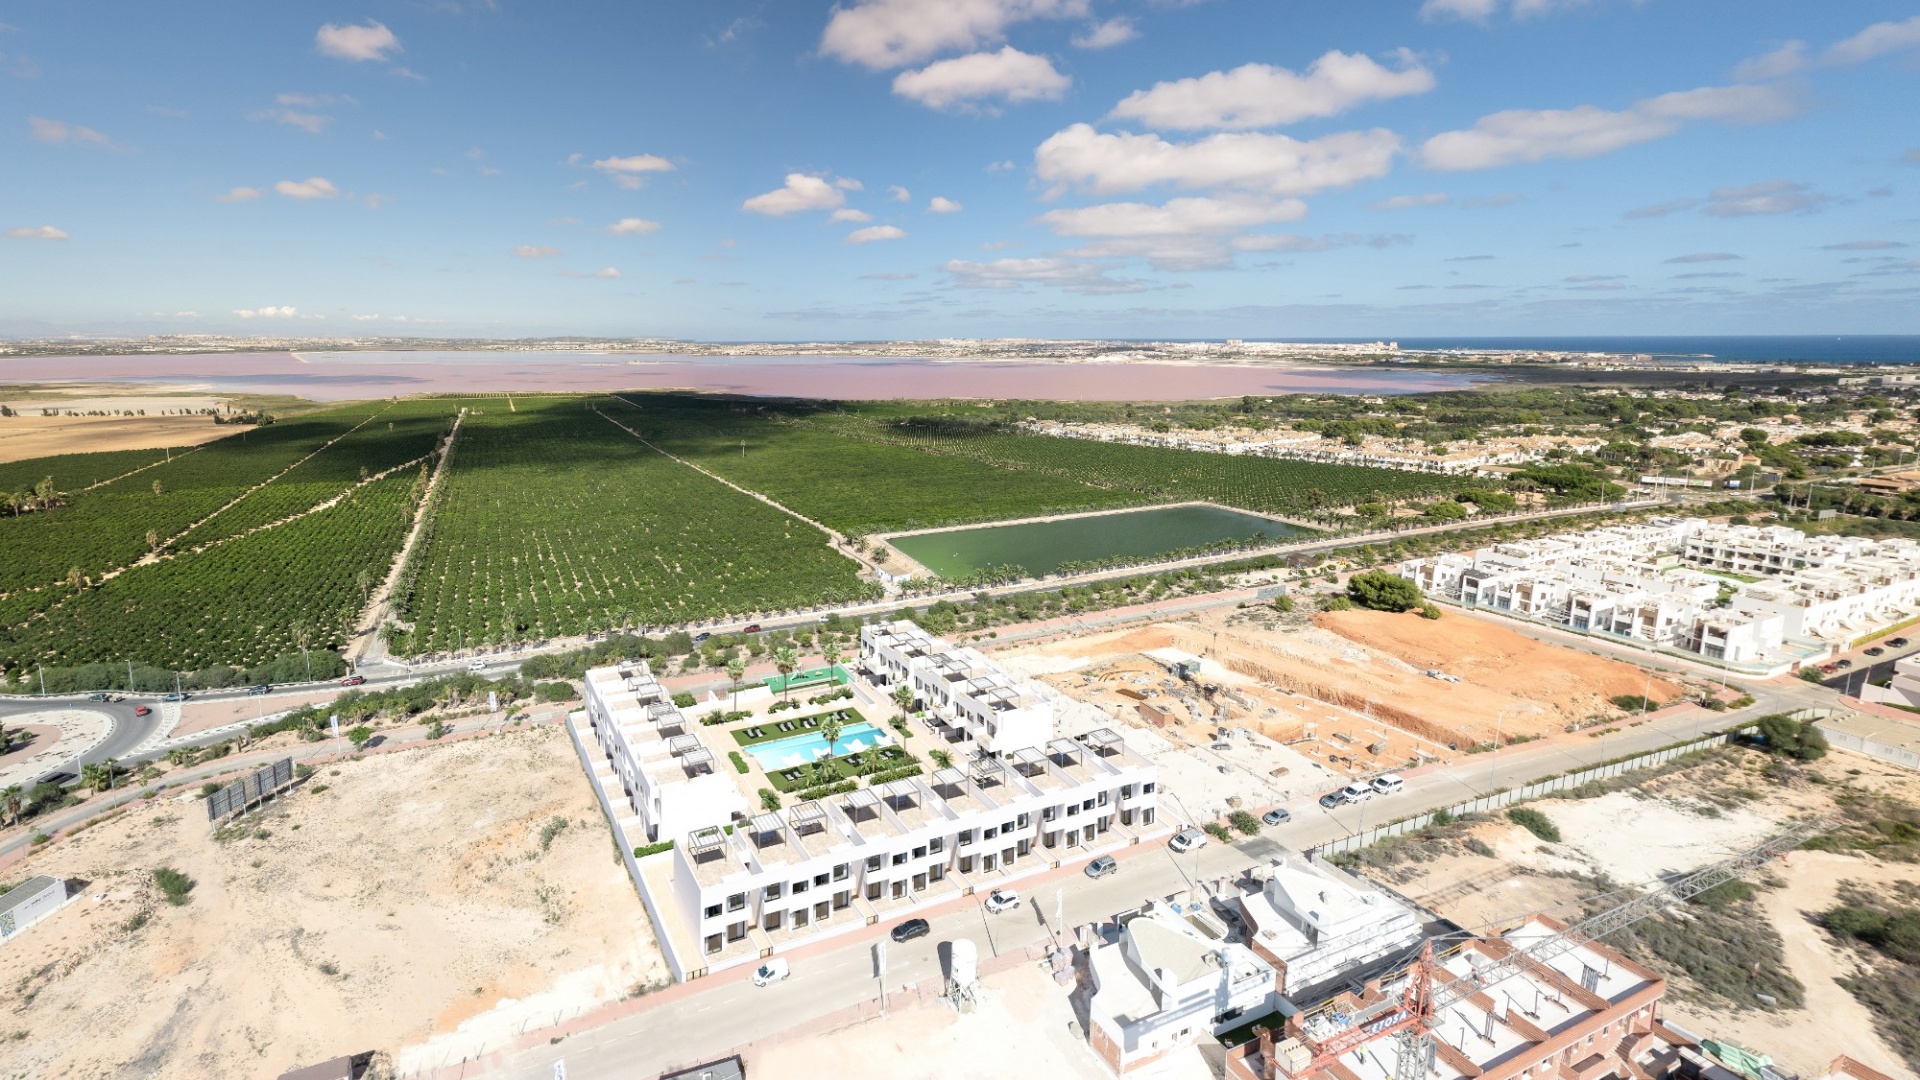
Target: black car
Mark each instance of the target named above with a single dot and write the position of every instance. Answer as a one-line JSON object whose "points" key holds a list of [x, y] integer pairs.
{"points": [[175, 696], [1874, 650], [99, 697], [1898, 643], [912, 928], [263, 688], [698, 638]]}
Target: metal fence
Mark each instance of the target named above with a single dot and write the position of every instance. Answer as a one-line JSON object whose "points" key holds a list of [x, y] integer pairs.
{"points": [[1859, 744], [242, 794], [1542, 789]]}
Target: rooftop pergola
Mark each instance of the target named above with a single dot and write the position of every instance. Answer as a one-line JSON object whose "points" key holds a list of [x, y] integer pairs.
{"points": [[702, 843], [766, 828], [1065, 751], [807, 816], [949, 778], [987, 770], [1104, 741], [1029, 761], [897, 791]]}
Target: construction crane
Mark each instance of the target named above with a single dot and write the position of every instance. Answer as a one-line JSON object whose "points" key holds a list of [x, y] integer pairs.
{"points": [[1408, 1017]]}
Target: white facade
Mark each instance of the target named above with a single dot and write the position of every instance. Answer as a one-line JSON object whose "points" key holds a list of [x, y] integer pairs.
{"points": [[970, 696], [1167, 981], [1681, 584], [1313, 926], [667, 774], [29, 902]]}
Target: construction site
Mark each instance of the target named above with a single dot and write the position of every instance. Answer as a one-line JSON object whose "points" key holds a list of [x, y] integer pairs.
{"points": [[1353, 692]]}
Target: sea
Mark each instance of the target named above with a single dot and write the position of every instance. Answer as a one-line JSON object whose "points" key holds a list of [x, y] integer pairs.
{"points": [[1831, 349]]}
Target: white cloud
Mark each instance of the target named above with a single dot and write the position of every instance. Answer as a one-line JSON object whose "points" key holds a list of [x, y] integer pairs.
{"points": [[37, 232], [940, 204], [1105, 35], [1772, 197], [849, 214], [875, 232], [240, 194], [1785, 60], [1073, 275], [1001, 166], [536, 251], [1270, 164], [314, 187], [848, 183], [633, 226], [1408, 202], [1705, 256], [1177, 217], [1481, 10], [800, 192], [900, 194], [268, 313], [1259, 95], [366, 318], [1529, 135], [59, 131], [882, 34], [370, 42], [1875, 41], [376, 200], [1008, 75], [604, 273], [311, 123], [631, 172]]}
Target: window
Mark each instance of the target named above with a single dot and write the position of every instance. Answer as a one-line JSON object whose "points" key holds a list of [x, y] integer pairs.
{"points": [[937, 845], [1088, 805], [1050, 813], [989, 833], [772, 892], [713, 911], [936, 872], [736, 901], [920, 852], [1073, 810], [966, 837], [874, 863], [900, 859], [1147, 788], [799, 887], [1026, 820], [1126, 791], [819, 879], [1103, 798], [840, 872]]}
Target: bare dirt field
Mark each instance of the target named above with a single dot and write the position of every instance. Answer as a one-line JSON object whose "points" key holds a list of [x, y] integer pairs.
{"points": [[388, 901], [1490, 873], [1347, 690], [32, 435]]}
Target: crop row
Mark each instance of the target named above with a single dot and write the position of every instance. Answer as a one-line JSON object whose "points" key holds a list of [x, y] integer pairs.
{"points": [[244, 602], [1270, 485], [110, 526], [855, 487], [555, 521], [72, 472]]}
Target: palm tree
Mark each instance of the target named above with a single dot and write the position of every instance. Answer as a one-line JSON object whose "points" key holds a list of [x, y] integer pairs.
{"points": [[831, 654], [11, 802], [736, 670], [786, 659], [903, 697], [830, 730], [95, 776]]}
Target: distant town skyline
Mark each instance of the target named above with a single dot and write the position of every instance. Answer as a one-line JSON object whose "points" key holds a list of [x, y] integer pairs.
{"points": [[966, 168]]}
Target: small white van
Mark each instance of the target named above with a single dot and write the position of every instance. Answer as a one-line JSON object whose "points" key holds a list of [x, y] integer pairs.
{"points": [[1358, 791], [1390, 784]]}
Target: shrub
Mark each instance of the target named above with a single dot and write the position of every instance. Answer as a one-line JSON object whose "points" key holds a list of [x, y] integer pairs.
{"points": [[769, 799], [1634, 703], [550, 830], [139, 920], [1217, 831], [1725, 895], [1479, 847], [1799, 739], [1380, 590], [1536, 823], [1244, 822], [1429, 610], [553, 691], [1336, 603], [1811, 674], [683, 700], [358, 736], [652, 849], [174, 884], [739, 763], [437, 729]]}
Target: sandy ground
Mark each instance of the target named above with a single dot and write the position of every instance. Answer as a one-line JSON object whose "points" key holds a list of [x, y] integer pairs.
{"points": [[1020, 1029], [31, 435], [390, 900], [197, 716], [1347, 692], [64, 733]]}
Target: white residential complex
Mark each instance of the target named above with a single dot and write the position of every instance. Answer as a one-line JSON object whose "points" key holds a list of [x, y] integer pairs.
{"points": [[739, 884], [1462, 457], [1759, 598]]}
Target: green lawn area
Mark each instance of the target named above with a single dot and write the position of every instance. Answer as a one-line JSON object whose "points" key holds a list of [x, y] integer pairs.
{"points": [[770, 729], [835, 769], [780, 684]]}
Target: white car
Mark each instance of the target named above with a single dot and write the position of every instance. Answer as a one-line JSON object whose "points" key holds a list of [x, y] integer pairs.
{"points": [[1000, 900], [771, 972], [476, 665], [1187, 840], [1358, 791], [1389, 784]]}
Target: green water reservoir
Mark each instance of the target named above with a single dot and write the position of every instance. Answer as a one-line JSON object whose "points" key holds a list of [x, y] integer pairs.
{"points": [[1041, 546]]}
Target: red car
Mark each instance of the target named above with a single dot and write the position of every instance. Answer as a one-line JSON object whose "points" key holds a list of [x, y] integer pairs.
{"points": [[752, 628], [353, 680], [142, 710]]}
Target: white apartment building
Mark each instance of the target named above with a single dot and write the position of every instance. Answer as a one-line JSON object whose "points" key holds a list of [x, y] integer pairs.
{"points": [[1313, 925], [739, 884], [969, 696], [666, 772], [1169, 979], [1686, 585]]}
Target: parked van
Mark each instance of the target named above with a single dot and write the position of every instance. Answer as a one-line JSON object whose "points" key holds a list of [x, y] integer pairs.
{"points": [[1390, 784], [1358, 791]]}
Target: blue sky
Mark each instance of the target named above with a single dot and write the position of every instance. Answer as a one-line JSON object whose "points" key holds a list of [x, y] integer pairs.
{"points": [[790, 169]]}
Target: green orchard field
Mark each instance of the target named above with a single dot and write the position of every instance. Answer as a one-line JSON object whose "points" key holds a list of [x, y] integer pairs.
{"points": [[557, 515]]}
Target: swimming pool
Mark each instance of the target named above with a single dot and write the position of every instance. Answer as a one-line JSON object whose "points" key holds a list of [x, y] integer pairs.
{"points": [[802, 749]]}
